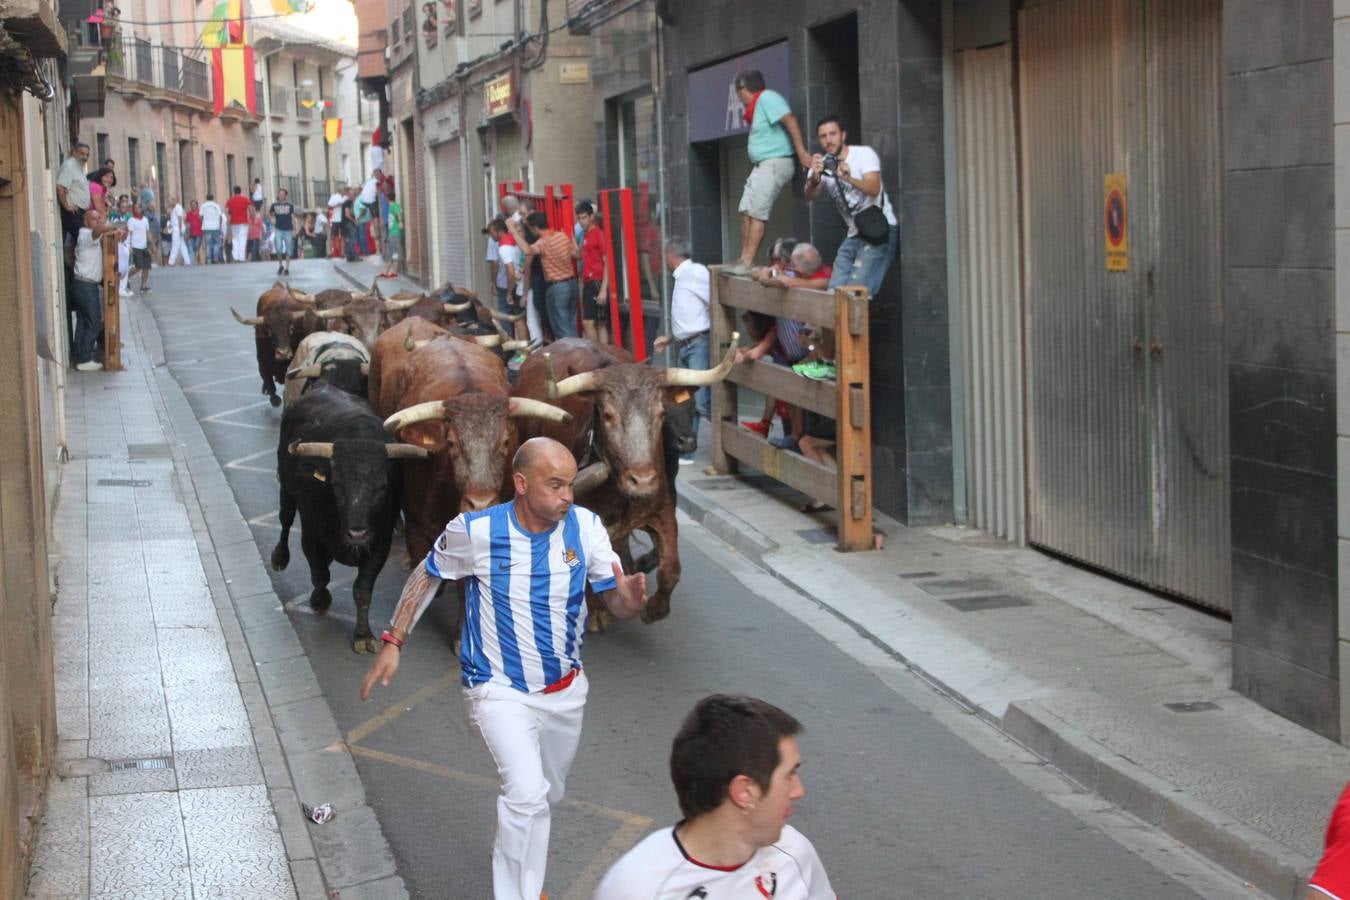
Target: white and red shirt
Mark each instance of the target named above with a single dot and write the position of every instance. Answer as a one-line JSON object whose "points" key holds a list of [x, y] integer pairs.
{"points": [[658, 868]]}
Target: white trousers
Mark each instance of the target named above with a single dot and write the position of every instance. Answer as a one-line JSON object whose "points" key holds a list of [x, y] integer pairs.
{"points": [[179, 248], [532, 319], [238, 242], [532, 738]]}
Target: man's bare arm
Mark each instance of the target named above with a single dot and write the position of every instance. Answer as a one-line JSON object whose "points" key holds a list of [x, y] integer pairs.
{"points": [[417, 593], [794, 131]]}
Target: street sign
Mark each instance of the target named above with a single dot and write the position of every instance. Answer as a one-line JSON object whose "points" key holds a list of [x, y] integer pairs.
{"points": [[1116, 222]]}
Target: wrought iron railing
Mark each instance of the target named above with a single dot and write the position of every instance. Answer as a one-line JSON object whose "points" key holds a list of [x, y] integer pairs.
{"points": [[145, 62], [196, 80], [281, 100], [323, 189], [295, 188], [168, 60]]}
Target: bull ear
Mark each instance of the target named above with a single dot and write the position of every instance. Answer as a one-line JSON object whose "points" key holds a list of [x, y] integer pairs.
{"points": [[678, 396]]}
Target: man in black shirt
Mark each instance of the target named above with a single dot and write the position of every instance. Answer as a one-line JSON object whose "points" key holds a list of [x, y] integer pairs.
{"points": [[349, 225], [282, 215]]}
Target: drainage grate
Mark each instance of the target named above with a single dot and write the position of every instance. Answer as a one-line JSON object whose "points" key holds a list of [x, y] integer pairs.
{"points": [[989, 601], [816, 535], [918, 574], [148, 451], [1191, 706], [958, 586], [124, 482], [140, 765]]}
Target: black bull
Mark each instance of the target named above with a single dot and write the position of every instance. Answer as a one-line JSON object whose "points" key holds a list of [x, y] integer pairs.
{"points": [[336, 466]]}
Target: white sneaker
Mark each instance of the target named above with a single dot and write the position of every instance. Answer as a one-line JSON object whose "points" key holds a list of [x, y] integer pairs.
{"points": [[90, 366]]}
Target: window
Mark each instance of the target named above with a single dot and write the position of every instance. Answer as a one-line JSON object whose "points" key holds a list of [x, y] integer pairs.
{"points": [[101, 146], [161, 174], [250, 164], [230, 183], [393, 33], [134, 161], [210, 173]]}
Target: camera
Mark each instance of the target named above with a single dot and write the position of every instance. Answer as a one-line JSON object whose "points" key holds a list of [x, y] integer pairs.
{"points": [[829, 165]]}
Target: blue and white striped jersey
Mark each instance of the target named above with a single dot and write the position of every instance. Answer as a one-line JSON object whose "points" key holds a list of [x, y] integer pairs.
{"points": [[525, 593]]}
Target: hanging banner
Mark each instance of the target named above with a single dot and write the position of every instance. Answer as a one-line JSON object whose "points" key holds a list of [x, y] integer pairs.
{"points": [[232, 78], [332, 130], [1116, 223]]}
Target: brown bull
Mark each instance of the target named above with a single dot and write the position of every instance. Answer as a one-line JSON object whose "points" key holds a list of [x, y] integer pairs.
{"points": [[284, 316], [617, 409], [452, 398]]}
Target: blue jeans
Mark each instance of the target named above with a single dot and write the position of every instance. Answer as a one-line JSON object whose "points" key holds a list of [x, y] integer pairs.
{"points": [[561, 301], [215, 246], [859, 262], [86, 303], [693, 354], [194, 244]]}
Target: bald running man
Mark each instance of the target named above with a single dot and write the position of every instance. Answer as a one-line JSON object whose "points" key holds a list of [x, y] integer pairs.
{"points": [[525, 566]]}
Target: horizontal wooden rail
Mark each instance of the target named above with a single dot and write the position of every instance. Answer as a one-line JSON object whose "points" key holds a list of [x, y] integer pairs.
{"points": [[846, 400]]}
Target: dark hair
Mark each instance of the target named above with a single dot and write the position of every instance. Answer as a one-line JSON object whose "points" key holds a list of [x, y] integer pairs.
{"points": [[751, 79], [211, 197], [828, 118], [538, 221], [106, 161], [238, 189], [498, 225], [585, 208], [96, 176], [784, 246], [725, 736]]}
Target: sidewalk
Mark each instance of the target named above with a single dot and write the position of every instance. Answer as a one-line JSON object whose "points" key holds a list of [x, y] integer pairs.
{"points": [[362, 274], [191, 726], [1124, 691]]}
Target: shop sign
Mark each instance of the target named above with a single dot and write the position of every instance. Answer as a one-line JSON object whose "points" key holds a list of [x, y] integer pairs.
{"points": [[1116, 222], [499, 95], [715, 111]]}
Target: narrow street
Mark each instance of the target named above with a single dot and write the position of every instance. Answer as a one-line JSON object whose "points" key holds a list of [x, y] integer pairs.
{"points": [[907, 796]]}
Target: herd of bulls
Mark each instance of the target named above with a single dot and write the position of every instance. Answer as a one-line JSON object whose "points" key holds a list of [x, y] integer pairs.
{"points": [[404, 408]]}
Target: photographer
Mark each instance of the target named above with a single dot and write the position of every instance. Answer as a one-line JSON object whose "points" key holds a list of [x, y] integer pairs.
{"points": [[852, 177]]}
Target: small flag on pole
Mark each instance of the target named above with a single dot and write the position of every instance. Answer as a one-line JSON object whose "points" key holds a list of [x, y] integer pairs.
{"points": [[332, 130]]}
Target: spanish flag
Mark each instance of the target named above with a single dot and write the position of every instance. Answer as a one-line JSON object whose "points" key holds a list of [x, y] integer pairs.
{"points": [[286, 7], [332, 130], [226, 25], [233, 78]]}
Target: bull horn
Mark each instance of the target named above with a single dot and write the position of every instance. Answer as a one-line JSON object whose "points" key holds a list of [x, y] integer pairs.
{"points": [[375, 289], [300, 295], [506, 336], [537, 409], [304, 372], [699, 378], [336, 312], [321, 449], [576, 384], [505, 317], [401, 304], [365, 368], [487, 340], [242, 321], [516, 345], [590, 478], [456, 308], [301, 313], [406, 451], [418, 412]]}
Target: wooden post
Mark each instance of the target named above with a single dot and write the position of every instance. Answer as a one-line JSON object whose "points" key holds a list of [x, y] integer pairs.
{"points": [[724, 398], [112, 307], [853, 446]]}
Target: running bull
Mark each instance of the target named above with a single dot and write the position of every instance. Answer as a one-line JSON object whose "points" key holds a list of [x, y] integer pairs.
{"points": [[284, 316]]}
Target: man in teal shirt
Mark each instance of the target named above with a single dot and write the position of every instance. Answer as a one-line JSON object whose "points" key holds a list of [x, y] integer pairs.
{"points": [[775, 137]]}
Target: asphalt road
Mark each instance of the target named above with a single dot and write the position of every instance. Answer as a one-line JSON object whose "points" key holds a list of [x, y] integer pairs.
{"points": [[906, 796]]}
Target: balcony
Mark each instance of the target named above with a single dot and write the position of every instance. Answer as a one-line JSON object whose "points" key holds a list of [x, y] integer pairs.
{"points": [[196, 80], [302, 111], [145, 63], [168, 59], [281, 101]]}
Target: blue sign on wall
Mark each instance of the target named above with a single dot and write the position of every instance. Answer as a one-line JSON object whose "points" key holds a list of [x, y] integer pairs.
{"points": [[714, 110]]}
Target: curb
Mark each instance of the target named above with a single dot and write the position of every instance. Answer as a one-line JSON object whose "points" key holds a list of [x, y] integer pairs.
{"points": [[1223, 840], [348, 855]]}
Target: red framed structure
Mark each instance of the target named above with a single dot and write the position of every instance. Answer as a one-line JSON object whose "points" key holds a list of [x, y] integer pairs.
{"points": [[619, 201]]}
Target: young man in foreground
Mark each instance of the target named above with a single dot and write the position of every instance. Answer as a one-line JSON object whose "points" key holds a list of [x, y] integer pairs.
{"points": [[735, 765]]}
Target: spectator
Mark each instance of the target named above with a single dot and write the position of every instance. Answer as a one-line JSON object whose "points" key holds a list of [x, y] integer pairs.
{"points": [[535, 294], [1332, 876], [282, 214], [213, 222], [194, 232], [138, 238], [121, 216], [101, 183], [257, 194], [321, 230], [494, 262], [594, 301], [148, 203], [85, 288], [365, 207], [349, 245], [393, 247], [109, 164], [237, 206], [784, 338], [689, 323], [335, 222], [556, 254], [72, 190], [308, 237], [736, 768], [852, 177], [774, 137], [253, 234], [510, 280], [178, 245]]}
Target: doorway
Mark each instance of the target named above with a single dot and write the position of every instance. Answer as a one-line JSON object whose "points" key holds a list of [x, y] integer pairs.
{"points": [[1127, 424], [832, 89], [734, 166]]}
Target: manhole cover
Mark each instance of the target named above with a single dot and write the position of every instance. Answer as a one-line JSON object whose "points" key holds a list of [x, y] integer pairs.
{"points": [[124, 482], [816, 535], [989, 601], [958, 586], [139, 765], [1191, 706], [918, 574], [148, 451]]}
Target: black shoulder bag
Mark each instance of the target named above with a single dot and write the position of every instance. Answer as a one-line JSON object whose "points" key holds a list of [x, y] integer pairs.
{"points": [[870, 221]]}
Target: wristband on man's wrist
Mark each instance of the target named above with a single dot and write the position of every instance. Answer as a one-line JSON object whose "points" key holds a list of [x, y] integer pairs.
{"points": [[389, 638]]}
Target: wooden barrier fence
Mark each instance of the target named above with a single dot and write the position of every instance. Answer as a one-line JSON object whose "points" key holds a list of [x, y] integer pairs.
{"points": [[847, 400], [112, 306]]}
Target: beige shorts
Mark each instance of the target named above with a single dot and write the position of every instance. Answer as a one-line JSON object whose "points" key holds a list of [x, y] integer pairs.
{"points": [[766, 181]]}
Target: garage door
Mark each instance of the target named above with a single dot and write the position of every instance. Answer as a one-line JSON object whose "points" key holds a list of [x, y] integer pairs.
{"points": [[452, 205]]}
